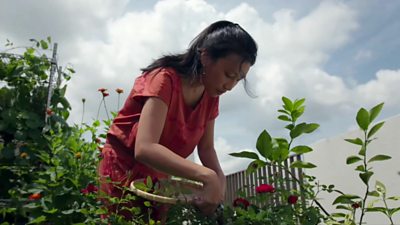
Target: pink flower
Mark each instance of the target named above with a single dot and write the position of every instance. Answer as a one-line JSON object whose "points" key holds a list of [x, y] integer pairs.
{"points": [[90, 188], [292, 199], [265, 188], [241, 202]]}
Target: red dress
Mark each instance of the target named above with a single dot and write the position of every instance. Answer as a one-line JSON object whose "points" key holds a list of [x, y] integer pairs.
{"points": [[184, 126]]}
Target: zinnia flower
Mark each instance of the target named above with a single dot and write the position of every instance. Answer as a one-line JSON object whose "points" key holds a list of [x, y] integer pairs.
{"points": [[105, 94], [90, 188], [355, 205], [241, 202], [49, 112], [119, 90], [292, 199], [102, 90], [265, 188], [35, 196]]}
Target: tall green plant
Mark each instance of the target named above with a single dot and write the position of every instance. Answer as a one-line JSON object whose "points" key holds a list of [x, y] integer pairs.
{"points": [[274, 151], [363, 162]]}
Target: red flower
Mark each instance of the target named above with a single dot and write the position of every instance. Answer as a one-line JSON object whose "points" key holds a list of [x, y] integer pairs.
{"points": [[49, 112], [292, 199], [265, 188], [355, 205], [105, 94], [102, 90], [119, 90], [241, 202], [90, 188], [35, 196]]}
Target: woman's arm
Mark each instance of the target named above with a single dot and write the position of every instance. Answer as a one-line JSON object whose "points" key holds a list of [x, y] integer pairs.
{"points": [[150, 152], [207, 153]]}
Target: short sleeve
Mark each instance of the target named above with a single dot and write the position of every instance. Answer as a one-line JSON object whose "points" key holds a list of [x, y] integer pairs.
{"points": [[157, 83], [214, 109]]}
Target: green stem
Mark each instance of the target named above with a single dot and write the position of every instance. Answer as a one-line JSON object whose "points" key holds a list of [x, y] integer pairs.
{"points": [[387, 211], [366, 170], [98, 110], [302, 188], [105, 107], [83, 112]]}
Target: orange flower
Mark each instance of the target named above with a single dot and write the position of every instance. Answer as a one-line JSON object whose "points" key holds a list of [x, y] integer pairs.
{"points": [[102, 90], [35, 196], [24, 155], [78, 155], [119, 90], [105, 94]]}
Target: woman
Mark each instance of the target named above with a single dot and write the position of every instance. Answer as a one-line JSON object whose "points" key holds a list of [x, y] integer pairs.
{"points": [[171, 110]]}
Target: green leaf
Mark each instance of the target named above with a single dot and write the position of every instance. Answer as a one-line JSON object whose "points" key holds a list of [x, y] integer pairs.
{"points": [[380, 187], [301, 164], [373, 193], [356, 141], [393, 211], [245, 154], [301, 149], [298, 102], [44, 44], [374, 112], [362, 151], [352, 159], [255, 165], [67, 212], [375, 129], [379, 158], [376, 209], [288, 105], [345, 199], [284, 118], [395, 198], [264, 144], [311, 127], [101, 211], [38, 220], [366, 176], [303, 128], [284, 112], [147, 203], [51, 211], [363, 119]]}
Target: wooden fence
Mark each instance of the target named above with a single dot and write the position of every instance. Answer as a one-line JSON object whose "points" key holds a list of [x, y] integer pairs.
{"points": [[273, 175]]}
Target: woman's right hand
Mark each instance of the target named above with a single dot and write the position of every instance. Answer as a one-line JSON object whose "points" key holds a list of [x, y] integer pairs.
{"points": [[211, 195]]}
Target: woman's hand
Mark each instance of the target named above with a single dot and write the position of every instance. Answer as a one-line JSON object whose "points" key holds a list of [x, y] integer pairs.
{"points": [[211, 196]]}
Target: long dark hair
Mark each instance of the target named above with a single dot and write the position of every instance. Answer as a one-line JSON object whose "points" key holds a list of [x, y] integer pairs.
{"points": [[219, 39]]}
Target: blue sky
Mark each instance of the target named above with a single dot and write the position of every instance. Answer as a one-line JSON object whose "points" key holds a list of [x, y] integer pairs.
{"points": [[339, 55]]}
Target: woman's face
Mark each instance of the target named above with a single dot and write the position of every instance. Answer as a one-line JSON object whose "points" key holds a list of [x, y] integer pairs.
{"points": [[223, 74]]}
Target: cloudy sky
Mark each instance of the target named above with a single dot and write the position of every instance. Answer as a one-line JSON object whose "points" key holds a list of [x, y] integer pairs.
{"points": [[339, 55]]}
